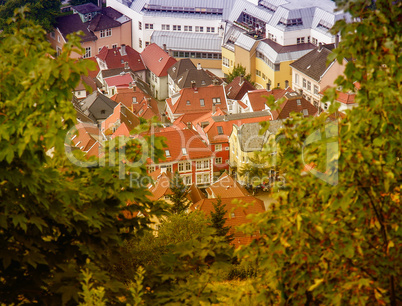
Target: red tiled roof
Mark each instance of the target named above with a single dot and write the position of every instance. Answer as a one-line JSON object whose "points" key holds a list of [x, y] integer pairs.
{"points": [[188, 139], [194, 96], [236, 89], [87, 136], [157, 60], [114, 59], [290, 105], [227, 187], [258, 97], [192, 117], [161, 186], [126, 95], [120, 80], [122, 115]]}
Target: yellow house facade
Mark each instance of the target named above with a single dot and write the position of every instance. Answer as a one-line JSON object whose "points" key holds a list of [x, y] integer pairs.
{"points": [[266, 61]]}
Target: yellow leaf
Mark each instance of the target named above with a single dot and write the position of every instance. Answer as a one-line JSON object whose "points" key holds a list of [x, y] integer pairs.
{"points": [[390, 245], [298, 219], [317, 282], [284, 242], [320, 229]]}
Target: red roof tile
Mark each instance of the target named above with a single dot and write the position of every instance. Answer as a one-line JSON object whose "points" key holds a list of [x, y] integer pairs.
{"points": [[114, 59], [121, 114], [194, 96], [188, 139], [291, 104], [258, 97], [157, 60], [236, 89], [120, 80], [227, 187]]}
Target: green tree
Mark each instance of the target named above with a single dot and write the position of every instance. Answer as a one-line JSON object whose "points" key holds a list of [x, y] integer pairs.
{"points": [[238, 70], [54, 215], [339, 243], [217, 220], [180, 202], [42, 12]]}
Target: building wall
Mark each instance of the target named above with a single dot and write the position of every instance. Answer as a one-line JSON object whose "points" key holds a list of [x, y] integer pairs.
{"points": [[284, 74], [246, 59], [332, 74], [314, 98], [120, 36], [230, 56], [290, 37]]}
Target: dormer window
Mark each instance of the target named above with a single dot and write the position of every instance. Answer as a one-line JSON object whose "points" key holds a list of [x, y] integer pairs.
{"points": [[202, 102], [188, 102], [298, 102], [167, 152], [184, 151], [135, 100], [232, 215], [220, 130]]}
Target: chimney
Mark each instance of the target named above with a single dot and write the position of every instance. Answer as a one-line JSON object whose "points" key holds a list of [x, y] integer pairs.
{"points": [[100, 3], [336, 40], [164, 48], [189, 125], [213, 108], [199, 66], [123, 50], [319, 47], [241, 79], [225, 118], [126, 66], [215, 82], [193, 85]]}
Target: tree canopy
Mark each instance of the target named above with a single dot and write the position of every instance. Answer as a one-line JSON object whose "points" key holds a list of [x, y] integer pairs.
{"points": [[332, 237], [238, 70]]}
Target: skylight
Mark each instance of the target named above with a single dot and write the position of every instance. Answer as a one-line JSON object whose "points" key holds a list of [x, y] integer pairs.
{"points": [[220, 130], [167, 153], [184, 151]]}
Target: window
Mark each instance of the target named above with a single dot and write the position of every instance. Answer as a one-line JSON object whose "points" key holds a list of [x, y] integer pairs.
{"points": [[87, 52], [298, 102], [300, 40], [202, 178], [232, 215], [139, 25], [140, 43], [58, 51], [220, 130], [258, 73], [316, 89], [187, 179], [308, 85], [184, 151], [167, 153], [176, 27], [296, 78], [304, 83], [199, 29], [165, 27], [216, 100], [315, 41], [206, 164], [286, 83], [225, 62], [135, 100], [210, 30], [149, 26], [106, 33], [184, 166], [188, 28], [206, 178], [202, 102], [305, 112], [218, 147], [202, 164], [188, 102], [146, 43], [52, 35], [151, 169], [264, 76], [218, 160], [169, 168], [114, 46]]}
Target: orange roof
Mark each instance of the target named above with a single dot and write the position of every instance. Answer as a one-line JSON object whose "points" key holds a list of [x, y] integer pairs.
{"points": [[227, 187], [87, 135], [292, 105], [127, 96], [157, 60], [236, 89], [177, 140], [121, 114], [194, 96], [258, 97], [192, 117], [161, 186]]}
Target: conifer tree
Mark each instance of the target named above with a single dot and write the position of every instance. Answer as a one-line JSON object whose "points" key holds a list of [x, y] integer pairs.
{"points": [[179, 197], [217, 220]]}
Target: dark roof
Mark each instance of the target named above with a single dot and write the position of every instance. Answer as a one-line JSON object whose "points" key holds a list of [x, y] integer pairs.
{"points": [[291, 48], [314, 63], [102, 22], [87, 8], [236, 89], [111, 12], [180, 67], [97, 106], [199, 76], [114, 71], [71, 24], [291, 105]]}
